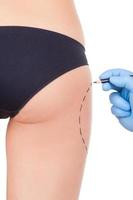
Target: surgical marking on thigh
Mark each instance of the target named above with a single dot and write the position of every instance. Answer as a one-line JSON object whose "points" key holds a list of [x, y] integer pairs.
{"points": [[79, 118]]}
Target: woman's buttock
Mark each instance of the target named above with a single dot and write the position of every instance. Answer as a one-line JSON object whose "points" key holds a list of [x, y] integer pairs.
{"points": [[57, 15], [31, 69]]}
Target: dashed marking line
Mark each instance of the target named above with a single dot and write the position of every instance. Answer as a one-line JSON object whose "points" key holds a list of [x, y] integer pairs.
{"points": [[79, 119]]}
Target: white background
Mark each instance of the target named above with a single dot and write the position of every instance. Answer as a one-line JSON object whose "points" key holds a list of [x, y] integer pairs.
{"points": [[108, 174], [108, 27]]}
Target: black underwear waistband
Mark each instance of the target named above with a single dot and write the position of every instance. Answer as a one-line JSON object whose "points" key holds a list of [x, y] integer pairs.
{"points": [[37, 44]]}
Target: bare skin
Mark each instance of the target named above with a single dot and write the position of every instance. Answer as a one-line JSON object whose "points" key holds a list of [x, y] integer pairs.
{"points": [[58, 15], [45, 150]]}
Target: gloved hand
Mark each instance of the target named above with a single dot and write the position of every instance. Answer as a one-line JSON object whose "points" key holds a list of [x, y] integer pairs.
{"points": [[122, 100]]}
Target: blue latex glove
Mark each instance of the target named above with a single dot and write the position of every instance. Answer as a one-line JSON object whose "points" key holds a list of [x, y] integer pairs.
{"points": [[122, 100]]}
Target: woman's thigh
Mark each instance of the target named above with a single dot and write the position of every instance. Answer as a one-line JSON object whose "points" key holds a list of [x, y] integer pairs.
{"points": [[47, 141]]}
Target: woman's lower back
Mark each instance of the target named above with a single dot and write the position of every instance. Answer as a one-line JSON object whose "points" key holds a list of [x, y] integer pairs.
{"points": [[58, 15]]}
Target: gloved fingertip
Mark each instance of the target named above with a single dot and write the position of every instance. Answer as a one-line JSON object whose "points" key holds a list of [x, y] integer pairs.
{"points": [[106, 86], [111, 97]]}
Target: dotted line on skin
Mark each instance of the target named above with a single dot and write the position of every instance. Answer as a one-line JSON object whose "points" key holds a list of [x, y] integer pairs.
{"points": [[79, 119]]}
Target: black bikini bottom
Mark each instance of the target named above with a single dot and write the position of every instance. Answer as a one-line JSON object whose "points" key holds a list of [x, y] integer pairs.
{"points": [[30, 58]]}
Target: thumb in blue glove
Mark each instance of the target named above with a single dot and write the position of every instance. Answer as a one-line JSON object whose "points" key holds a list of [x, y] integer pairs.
{"points": [[122, 100]]}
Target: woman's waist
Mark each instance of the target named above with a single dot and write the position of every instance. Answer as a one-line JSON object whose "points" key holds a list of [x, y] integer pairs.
{"points": [[55, 18]]}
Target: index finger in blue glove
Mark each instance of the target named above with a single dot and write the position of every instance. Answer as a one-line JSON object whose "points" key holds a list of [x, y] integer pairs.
{"points": [[110, 73], [123, 82], [114, 72], [108, 86]]}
